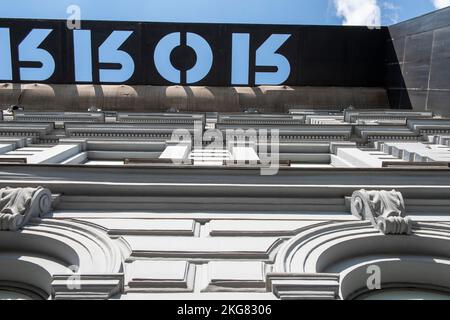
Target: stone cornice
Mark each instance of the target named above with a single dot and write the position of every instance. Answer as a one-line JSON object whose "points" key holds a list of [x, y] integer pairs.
{"points": [[364, 127], [189, 181]]}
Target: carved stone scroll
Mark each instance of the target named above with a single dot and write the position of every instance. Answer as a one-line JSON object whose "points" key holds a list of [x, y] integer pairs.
{"points": [[385, 209], [19, 205]]}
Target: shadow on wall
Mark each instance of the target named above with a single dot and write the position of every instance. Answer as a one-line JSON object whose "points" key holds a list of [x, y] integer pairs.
{"points": [[39, 97]]}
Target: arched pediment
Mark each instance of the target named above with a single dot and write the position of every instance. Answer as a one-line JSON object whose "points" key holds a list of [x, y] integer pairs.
{"points": [[344, 251], [62, 258]]}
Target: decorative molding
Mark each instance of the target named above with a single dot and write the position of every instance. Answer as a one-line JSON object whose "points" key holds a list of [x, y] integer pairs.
{"points": [[86, 287], [98, 269], [353, 116], [384, 209], [160, 276], [97, 254], [19, 205], [298, 256], [361, 126], [289, 286], [60, 116], [236, 276], [65, 259], [347, 249], [261, 248]]}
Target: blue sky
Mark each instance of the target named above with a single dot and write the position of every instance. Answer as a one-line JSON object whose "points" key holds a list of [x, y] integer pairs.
{"points": [[334, 12]]}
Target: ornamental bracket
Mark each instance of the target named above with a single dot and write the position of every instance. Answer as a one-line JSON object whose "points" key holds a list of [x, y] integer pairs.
{"points": [[384, 209], [19, 205]]}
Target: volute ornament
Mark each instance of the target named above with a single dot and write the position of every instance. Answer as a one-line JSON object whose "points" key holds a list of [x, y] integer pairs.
{"points": [[385, 209], [19, 205]]}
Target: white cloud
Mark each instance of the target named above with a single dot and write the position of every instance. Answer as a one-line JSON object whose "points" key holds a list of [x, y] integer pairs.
{"points": [[439, 4], [391, 12], [359, 12], [390, 6]]}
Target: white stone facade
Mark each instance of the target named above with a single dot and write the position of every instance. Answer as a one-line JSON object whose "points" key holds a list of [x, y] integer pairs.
{"points": [[138, 214]]}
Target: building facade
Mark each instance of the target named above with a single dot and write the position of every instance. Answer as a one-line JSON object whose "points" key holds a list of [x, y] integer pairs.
{"points": [[336, 188], [116, 206]]}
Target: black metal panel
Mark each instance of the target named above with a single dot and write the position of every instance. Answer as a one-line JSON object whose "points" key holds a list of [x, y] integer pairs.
{"points": [[432, 21], [440, 66], [417, 60], [438, 101], [394, 77], [343, 56], [421, 63], [53, 44], [99, 33], [317, 55], [399, 98]]}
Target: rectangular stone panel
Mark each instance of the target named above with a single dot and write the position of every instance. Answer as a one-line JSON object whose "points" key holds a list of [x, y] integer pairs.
{"points": [[235, 275], [176, 152], [218, 247], [157, 276], [258, 227], [146, 226]]}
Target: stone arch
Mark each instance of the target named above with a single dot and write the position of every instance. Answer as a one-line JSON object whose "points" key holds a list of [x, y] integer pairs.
{"points": [[62, 259], [331, 261]]}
